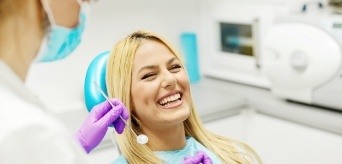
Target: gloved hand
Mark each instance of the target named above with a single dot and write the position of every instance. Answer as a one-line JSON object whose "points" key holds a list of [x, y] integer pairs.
{"points": [[200, 157], [96, 124]]}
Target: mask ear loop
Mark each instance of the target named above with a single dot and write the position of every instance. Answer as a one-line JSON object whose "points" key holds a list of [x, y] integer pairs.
{"points": [[51, 20], [48, 11]]}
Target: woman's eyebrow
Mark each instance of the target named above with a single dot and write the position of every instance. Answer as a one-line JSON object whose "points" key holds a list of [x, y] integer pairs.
{"points": [[147, 67], [155, 66], [171, 60]]}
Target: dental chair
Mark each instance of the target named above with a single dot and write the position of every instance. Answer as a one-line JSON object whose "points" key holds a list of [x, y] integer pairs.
{"points": [[96, 72]]}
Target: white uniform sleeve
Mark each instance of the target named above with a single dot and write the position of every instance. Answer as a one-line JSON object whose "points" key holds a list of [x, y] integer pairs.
{"points": [[28, 134], [41, 144]]}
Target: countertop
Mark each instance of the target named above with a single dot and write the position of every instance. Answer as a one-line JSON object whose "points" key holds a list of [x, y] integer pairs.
{"points": [[264, 102], [214, 103]]}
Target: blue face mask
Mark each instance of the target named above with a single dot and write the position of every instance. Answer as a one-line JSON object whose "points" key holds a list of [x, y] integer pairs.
{"points": [[61, 41]]}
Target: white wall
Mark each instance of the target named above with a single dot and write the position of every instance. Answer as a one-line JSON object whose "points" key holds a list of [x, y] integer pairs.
{"points": [[60, 84]]}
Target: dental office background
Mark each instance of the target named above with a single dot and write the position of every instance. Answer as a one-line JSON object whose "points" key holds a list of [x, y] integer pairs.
{"points": [[277, 136]]}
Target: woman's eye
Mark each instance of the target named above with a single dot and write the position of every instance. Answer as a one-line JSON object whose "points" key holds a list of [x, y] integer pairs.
{"points": [[148, 76], [175, 67]]}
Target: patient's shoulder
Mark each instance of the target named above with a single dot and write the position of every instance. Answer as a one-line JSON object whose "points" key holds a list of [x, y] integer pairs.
{"points": [[120, 160]]}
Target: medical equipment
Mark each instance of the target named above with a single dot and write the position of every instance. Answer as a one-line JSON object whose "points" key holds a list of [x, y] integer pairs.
{"points": [[141, 138], [236, 56], [231, 41], [302, 58]]}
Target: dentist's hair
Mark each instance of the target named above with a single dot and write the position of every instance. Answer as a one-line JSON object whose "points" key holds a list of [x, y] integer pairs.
{"points": [[119, 77], [17, 20]]}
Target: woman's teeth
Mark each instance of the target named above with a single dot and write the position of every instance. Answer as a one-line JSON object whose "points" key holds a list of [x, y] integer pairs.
{"points": [[169, 100]]}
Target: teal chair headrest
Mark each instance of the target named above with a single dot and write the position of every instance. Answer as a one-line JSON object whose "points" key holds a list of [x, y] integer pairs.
{"points": [[96, 72]]}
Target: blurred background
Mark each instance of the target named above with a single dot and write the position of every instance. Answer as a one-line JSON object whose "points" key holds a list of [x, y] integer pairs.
{"points": [[271, 69]]}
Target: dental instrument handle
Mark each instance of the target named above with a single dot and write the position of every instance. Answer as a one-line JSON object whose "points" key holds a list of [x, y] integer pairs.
{"points": [[142, 139], [106, 97]]}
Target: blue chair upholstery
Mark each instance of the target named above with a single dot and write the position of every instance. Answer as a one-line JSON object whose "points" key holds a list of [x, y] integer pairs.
{"points": [[96, 72]]}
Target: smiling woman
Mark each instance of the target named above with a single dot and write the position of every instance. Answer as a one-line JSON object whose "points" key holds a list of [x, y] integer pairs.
{"points": [[148, 75]]}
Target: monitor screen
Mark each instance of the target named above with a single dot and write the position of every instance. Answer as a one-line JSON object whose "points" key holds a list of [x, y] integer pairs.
{"points": [[236, 38]]}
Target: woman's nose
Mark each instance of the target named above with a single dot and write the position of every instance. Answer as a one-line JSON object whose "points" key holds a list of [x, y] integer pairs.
{"points": [[169, 79]]}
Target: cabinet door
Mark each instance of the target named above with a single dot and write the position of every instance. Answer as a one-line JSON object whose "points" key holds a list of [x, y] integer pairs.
{"points": [[235, 126], [280, 141]]}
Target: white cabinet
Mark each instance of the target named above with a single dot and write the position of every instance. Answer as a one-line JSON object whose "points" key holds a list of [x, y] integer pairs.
{"points": [[232, 127], [281, 142], [275, 140]]}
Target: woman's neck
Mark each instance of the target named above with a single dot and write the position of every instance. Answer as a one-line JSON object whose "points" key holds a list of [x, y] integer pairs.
{"points": [[169, 138]]}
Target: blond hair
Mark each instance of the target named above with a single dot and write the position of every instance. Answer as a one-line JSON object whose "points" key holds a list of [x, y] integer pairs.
{"points": [[119, 77]]}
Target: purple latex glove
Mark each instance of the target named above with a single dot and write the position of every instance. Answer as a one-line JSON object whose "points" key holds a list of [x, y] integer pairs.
{"points": [[96, 124], [200, 157]]}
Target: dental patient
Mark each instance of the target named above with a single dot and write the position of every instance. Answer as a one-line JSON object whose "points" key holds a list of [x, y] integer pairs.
{"points": [[147, 74]]}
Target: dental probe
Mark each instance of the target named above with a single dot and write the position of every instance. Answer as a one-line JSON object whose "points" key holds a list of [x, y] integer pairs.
{"points": [[141, 138]]}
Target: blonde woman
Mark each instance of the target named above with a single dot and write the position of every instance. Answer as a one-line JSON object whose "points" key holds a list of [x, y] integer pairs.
{"points": [[148, 75]]}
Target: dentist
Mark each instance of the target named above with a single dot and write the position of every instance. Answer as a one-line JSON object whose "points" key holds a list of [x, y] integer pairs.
{"points": [[29, 133]]}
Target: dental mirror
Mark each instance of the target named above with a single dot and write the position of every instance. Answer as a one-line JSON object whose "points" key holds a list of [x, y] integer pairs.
{"points": [[141, 138]]}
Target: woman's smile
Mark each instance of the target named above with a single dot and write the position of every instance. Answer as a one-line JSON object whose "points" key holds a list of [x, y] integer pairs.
{"points": [[171, 100]]}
